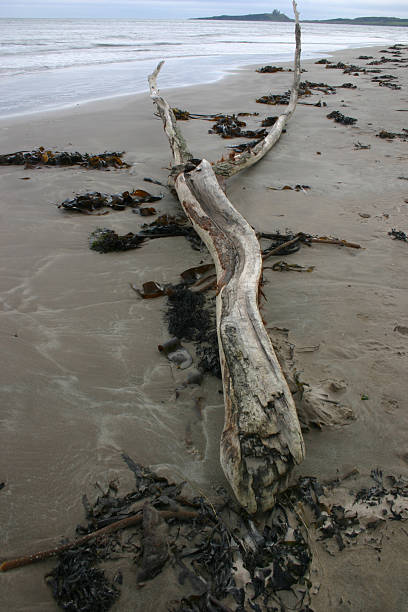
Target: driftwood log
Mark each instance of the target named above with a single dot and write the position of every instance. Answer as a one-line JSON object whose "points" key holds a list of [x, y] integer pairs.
{"points": [[262, 440]]}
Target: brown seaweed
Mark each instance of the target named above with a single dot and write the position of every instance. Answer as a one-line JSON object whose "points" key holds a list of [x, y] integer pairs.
{"points": [[244, 146], [278, 240], [386, 60], [184, 115], [306, 86], [150, 290], [289, 188], [270, 69], [167, 226], [398, 235], [384, 134], [340, 118], [191, 316], [181, 115], [229, 126], [106, 240], [224, 555], [146, 211], [41, 156], [269, 121], [274, 99], [387, 80], [77, 585], [93, 201], [305, 89], [192, 275], [284, 266], [347, 68]]}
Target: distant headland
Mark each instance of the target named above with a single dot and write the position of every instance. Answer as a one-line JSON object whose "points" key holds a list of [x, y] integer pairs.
{"points": [[282, 18]]}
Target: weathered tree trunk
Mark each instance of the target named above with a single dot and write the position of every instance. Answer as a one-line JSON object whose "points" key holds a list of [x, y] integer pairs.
{"points": [[261, 441]]}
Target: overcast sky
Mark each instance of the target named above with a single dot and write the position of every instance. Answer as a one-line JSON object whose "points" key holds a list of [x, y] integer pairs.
{"points": [[179, 9]]}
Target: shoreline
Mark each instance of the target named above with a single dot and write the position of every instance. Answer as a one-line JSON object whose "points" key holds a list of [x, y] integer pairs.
{"points": [[223, 74], [83, 380]]}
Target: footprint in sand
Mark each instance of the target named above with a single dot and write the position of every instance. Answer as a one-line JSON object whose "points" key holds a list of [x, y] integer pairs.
{"points": [[401, 329]]}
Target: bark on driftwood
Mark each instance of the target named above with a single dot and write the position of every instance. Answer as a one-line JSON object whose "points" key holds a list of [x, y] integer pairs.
{"points": [[261, 441]]}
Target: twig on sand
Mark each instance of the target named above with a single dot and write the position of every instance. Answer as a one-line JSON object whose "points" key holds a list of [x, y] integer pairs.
{"points": [[129, 521]]}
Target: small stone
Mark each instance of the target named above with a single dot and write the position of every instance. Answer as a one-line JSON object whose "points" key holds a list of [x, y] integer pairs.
{"points": [[337, 385]]}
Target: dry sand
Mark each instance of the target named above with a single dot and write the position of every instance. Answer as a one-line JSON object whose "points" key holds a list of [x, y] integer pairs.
{"points": [[81, 377]]}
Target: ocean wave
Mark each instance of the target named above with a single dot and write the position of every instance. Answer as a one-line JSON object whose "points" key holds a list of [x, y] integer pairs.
{"points": [[136, 44], [114, 45], [12, 72]]}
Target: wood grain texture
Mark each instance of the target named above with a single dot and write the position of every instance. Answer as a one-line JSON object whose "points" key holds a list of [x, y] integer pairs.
{"points": [[262, 440]]}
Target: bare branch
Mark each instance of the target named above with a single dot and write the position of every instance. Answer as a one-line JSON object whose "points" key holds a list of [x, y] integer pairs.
{"points": [[261, 441], [178, 145], [250, 157]]}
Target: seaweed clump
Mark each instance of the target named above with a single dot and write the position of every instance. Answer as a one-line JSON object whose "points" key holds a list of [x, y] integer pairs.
{"points": [[391, 135], [191, 316], [92, 201], [347, 68], [214, 555], [106, 240], [340, 118], [77, 585], [274, 99], [269, 69], [167, 226], [229, 126], [41, 156], [398, 235]]}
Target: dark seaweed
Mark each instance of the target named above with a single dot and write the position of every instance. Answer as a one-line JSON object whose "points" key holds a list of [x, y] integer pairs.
{"points": [[347, 68], [244, 146], [106, 240], [191, 316], [269, 121], [205, 553], [274, 99], [229, 126], [391, 135], [277, 239], [64, 158], [94, 201], [340, 118], [270, 69], [166, 227], [78, 586], [398, 235], [306, 86]]}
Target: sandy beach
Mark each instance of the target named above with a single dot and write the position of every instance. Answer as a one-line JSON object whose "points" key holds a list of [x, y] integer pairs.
{"points": [[82, 380]]}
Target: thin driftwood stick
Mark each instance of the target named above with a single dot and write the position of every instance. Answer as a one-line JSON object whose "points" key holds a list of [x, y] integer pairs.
{"points": [[129, 521], [324, 240], [250, 157], [282, 246], [261, 441]]}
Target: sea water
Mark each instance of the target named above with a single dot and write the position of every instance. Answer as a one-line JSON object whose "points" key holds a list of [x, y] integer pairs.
{"points": [[50, 63]]}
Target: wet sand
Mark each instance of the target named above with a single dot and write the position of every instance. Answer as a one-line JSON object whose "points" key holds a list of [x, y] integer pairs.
{"points": [[82, 379]]}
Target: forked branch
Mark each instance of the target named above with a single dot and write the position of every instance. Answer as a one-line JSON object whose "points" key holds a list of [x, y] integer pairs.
{"points": [[261, 441]]}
